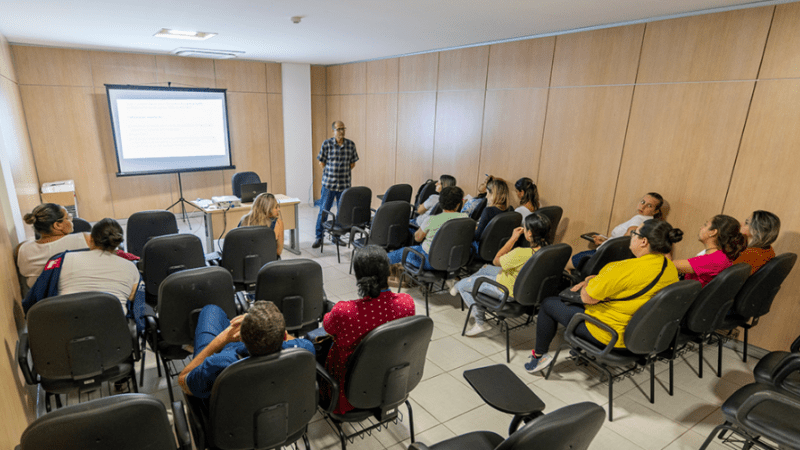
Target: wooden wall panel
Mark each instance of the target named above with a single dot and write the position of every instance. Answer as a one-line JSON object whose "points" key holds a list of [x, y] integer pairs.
{"points": [[274, 78], [52, 66], [18, 154], [781, 58], [240, 76], [352, 110], [463, 68], [383, 75], [600, 57], [63, 127], [249, 132], [185, 72], [318, 80], [122, 68], [320, 130], [688, 158], [416, 120], [6, 64], [332, 80], [581, 152], [766, 178], [521, 64], [377, 161], [513, 124], [457, 142], [722, 46], [347, 79], [419, 72], [276, 149]]}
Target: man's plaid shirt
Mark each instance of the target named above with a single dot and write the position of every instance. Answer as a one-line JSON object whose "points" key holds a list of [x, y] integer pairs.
{"points": [[337, 160]]}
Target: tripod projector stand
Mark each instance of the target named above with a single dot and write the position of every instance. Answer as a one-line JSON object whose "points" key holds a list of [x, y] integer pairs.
{"points": [[183, 202]]}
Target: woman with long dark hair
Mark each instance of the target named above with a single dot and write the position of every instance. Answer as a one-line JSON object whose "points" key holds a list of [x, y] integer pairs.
{"points": [[723, 242]]}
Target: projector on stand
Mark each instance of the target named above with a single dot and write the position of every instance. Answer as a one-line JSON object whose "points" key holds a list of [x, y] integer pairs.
{"points": [[226, 201]]}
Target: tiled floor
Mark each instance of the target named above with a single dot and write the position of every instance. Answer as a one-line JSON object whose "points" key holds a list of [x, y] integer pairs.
{"points": [[444, 405]]}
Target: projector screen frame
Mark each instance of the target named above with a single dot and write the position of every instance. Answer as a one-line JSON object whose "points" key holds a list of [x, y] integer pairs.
{"points": [[115, 131]]}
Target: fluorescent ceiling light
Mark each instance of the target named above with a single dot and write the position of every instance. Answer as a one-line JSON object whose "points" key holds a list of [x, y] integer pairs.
{"points": [[178, 34], [207, 53]]}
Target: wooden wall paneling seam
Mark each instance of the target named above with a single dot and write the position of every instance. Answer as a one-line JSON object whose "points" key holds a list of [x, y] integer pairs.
{"points": [[418, 73], [318, 80], [383, 76], [122, 68], [274, 78], [185, 72], [781, 58], [465, 68], [416, 123], [376, 164], [459, 120], [52, 66], [276, 146], [521, 64], [240, 76]]}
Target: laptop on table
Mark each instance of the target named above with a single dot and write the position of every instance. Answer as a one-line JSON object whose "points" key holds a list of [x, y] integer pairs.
{"points": [[251, 191]]}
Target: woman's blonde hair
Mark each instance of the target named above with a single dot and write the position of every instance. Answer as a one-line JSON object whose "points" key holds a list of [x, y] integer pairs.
{"points": [[499, 189], [262, 207]]}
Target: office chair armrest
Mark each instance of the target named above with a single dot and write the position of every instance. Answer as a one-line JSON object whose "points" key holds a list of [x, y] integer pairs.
{"points": [[334, 215], [135, 339], [413, 225], [761, 396], [213, 258], [482, 280], [418, 446], [572, 276], [28, 372], [788, 365], [411, 269], [360, 231], [240, 300], [577, 319], [181, 426], [323, 375], [151, 330]]}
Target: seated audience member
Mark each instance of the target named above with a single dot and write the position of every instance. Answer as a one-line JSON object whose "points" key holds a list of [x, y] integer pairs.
{"points": [[760, 229], [650, 244], [349, 321], [497, 197], [450, 198], [471, 203], [528, 196], [425, 209], [266, 212], [219, 342], [723, 243], [649, 208], [506, 266], [53, 224]]}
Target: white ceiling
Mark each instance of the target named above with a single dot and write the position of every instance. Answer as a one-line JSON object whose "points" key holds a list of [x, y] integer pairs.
{"points": [[331, 32]]}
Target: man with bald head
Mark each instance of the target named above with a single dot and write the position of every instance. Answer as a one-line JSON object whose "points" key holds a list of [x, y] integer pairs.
{"points": [[337, 157]]}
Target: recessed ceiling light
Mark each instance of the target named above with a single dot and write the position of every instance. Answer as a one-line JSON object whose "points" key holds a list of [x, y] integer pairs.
{"points": [[207, 53], [178, 34]]}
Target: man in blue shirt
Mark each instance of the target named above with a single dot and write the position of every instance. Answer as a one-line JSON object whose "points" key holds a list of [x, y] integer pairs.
{"points": [[218, 343], [337, 157]]}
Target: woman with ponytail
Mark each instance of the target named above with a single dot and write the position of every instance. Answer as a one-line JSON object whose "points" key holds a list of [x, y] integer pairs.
{"points": [[506, 266], [528, 195], [723, 242], [349, 321]]}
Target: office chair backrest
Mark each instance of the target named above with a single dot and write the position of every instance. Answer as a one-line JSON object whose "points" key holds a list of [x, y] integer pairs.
{"points": [[388, 363], [80, 226], [263, 401], [478, 209], [121, 422], [398, 192], [541, 276], [144, 225], [354, 207], [390, 225], [616, 249], [654, 326], [77, 336], [246, 250], [427, 189], [756, 296], [497, 233], [240, 178], [713, 303], [451, 246], [553, 213], [165, 255], [183, 294], [295, 286], [572, 427], [437, 209]]}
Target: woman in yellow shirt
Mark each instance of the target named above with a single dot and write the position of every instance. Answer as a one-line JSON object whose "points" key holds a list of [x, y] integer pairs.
{"points": [[650, 243], [507, 264]]}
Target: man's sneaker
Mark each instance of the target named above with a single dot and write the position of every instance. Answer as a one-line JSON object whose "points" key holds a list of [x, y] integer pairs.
{"points": [[537, 364], [477, 329], [317, 243]]}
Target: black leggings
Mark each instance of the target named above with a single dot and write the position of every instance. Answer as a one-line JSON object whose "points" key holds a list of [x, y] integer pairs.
{"points": [[553, 312]]}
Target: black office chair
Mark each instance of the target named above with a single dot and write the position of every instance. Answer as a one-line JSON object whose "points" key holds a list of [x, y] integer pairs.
{"points": [[449, 253], [538, 279], [478, 210], [397, 192], [386, 365], [389, 229], [246, 250], [425, 190], [494, 237], [240, 178], [121, 422], [261, 402], [553, 213], [755, 298], [354, 211], [768, 368], [80, 226], [165, 255], [651, 331], [77, 342], [181, 297], [572, 427], [295, 286], [145, 225], [616, 249]]}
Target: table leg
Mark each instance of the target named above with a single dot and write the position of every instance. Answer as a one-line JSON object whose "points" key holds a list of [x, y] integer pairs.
{"points": [[294, 234], [209, 232]]}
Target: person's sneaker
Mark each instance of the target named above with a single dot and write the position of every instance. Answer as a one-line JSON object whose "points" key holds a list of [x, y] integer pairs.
{"points": [[537, 364], [477, 329], [451, 284], [317, 243], [338, 241]]}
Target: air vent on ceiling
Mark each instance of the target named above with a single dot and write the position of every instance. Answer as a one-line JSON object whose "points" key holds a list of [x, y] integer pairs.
{"points": [[207, 53]]}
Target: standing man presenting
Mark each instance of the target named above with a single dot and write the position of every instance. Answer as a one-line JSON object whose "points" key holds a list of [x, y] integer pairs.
{"points": [[337, 157]]}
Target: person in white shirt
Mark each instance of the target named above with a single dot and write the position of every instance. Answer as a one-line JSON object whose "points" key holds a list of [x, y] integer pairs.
{"points": [[426, 207]]}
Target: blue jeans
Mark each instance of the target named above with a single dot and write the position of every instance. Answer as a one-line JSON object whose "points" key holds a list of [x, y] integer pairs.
{"points": [[211, 322], [397, 257], [466, 285], [552, 313], [326, 203], [576, 259]]}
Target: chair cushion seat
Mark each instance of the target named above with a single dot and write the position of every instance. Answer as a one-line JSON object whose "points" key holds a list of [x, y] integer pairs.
{"points": [[616, 358], [335, 228], [477, 440], [429, 276], [171, 352], [773, 420], [116, 373]]}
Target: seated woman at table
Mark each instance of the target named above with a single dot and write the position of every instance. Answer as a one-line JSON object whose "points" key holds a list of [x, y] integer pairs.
{"points": [[528, 195], [266, 212], [723, 243], [650, 244], [760, 229], [54, 225], [349, 321]]}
